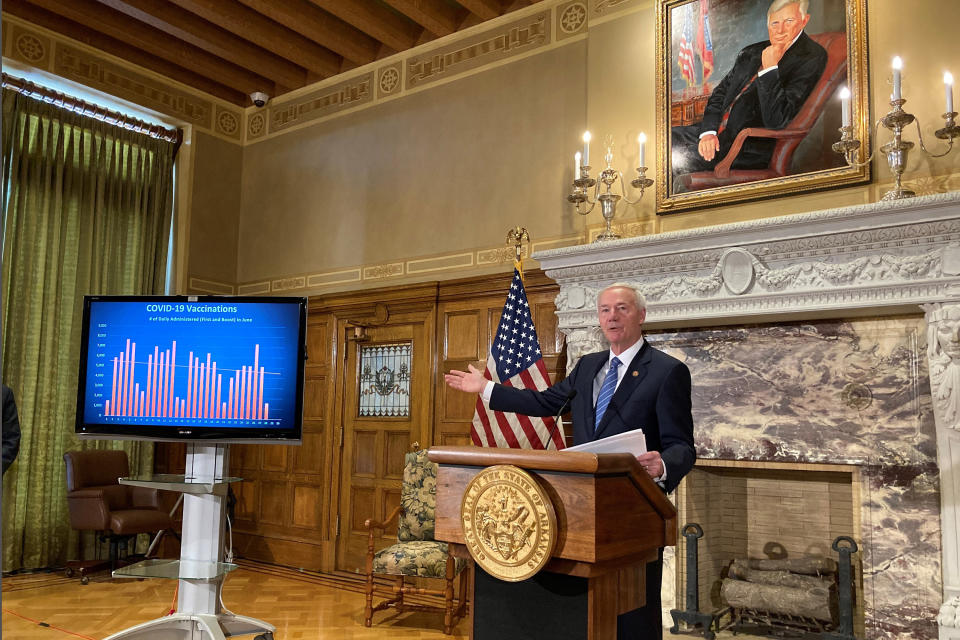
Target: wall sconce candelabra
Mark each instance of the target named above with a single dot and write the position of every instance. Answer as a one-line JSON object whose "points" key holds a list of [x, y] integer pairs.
{"points": [[580, 195], [896, 120]]}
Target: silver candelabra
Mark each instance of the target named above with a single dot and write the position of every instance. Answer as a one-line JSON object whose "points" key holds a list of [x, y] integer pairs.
{"points": [[896, 120], [580, 196]]}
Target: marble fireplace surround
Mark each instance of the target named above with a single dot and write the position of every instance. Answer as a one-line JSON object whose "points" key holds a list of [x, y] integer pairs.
{"points": [[882, 279]]}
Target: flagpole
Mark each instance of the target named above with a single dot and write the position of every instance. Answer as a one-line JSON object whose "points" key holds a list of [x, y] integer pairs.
{"points": [[517, 236]]}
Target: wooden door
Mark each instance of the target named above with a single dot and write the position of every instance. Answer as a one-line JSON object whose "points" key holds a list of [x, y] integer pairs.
{"points": [[379, 428]]}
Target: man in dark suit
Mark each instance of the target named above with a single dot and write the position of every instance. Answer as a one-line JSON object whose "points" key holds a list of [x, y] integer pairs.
{"points": [[766, 88], [630, 386]]}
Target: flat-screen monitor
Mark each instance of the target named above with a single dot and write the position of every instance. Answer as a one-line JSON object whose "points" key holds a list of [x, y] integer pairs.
{"points": [[192, 368]]}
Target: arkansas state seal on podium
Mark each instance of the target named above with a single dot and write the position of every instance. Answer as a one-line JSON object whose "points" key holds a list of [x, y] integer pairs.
{"points": [[509, 523]]}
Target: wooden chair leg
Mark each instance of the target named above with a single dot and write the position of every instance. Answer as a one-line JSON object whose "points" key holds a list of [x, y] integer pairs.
{"points": [[398, 589], [462, 600], [368, 610], [448, 597]]}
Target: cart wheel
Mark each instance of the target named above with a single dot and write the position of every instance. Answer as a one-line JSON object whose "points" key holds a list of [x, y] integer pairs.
{"points": [[264, 636], [68, 572], [85, 580]]}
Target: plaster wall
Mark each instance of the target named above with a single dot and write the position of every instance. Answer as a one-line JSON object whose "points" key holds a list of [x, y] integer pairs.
{"points": [[451, 168]]}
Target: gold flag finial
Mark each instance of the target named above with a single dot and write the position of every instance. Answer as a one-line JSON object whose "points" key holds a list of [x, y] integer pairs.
{"points": [[517, 236]]}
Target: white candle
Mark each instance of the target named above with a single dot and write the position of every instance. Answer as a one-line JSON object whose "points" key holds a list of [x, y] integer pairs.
{"points": [[948, 89], [586, 148], [576, 165], [641, 143], [897, 66], [845, 106]]}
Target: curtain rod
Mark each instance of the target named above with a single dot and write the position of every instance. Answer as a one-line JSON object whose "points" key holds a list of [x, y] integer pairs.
{"points": [[93, 110]]}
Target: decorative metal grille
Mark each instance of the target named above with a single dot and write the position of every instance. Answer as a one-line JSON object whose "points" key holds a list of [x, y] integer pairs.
{"points": [[385, 379]]}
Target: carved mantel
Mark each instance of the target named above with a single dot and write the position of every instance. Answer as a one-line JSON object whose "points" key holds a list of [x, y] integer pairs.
{"points": [[869, 260]]}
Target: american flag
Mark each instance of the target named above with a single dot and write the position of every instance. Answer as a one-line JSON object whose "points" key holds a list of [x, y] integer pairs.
{"points": [[704, 41], [685, 53], [515, 360]]}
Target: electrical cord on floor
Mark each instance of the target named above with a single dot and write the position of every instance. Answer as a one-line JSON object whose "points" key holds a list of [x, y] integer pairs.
{"points": [[48, 625], [173, 604]]}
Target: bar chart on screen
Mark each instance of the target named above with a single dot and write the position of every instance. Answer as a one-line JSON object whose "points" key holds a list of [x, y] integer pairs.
{"points": [[205, 391], [189, 365]]}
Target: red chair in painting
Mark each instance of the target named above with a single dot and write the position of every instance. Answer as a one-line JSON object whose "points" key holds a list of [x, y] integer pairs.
{"points": [[788, 138]]}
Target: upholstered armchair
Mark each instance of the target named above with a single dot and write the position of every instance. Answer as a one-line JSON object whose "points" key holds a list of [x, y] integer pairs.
{"points": [[416, 554]]}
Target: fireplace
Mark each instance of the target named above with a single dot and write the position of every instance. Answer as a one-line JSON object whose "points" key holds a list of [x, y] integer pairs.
{"points": [[775, 511], [821, 346]]}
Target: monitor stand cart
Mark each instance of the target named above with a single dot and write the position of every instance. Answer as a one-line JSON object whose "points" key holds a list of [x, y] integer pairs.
{"points": [[200, 612]]}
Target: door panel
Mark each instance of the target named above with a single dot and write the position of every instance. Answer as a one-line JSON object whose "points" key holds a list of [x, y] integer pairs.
{"points": [[374, 446]]}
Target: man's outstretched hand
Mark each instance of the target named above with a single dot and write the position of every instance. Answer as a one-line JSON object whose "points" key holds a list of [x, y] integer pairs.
{"points": [[471, 381]]}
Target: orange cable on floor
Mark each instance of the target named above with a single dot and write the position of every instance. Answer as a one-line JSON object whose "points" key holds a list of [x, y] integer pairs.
{"points": [[49, 626], [173, 605]]}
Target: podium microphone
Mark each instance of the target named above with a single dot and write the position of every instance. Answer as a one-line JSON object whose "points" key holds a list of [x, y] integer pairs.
{"points": [[570, 396]]}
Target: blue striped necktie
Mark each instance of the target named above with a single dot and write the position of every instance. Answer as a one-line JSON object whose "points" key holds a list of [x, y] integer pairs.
{"points": [[606, 390]]}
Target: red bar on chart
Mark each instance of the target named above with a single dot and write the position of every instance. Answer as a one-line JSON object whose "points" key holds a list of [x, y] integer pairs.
{"points": [[202, 392], [243, 392], [249, 392], [161, 368], [106, 408], [189, 383], [150, 380], [173, 371], [219, 396], [206, 386], [196, 383], [165, 404], [230, 401], [260, 396], [122, 399], [266, 411], [131, 362], [113, 391], [256, 368]]}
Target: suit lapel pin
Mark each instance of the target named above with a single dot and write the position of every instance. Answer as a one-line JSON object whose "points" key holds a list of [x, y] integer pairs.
{"points": [[636, 373]]}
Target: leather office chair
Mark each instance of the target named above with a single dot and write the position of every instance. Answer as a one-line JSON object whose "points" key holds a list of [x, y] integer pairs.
{"points": [[416, 554], [97, 502]]}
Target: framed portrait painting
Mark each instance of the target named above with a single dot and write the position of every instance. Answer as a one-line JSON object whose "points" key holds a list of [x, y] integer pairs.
{"points": [[748, 98]]}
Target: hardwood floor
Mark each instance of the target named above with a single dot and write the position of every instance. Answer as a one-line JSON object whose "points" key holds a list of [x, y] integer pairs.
{"points": [[302, 606]]}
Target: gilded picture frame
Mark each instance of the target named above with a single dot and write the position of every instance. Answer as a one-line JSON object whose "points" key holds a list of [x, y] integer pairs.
{"points": [[777, 140]]}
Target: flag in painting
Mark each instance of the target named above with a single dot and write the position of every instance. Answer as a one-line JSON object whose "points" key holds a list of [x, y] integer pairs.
{"points": [[685, 52], [515, 360], [704, 41]]}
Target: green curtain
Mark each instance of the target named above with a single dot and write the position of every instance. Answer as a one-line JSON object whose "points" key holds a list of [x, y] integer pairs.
{"points": [[87, 211]]}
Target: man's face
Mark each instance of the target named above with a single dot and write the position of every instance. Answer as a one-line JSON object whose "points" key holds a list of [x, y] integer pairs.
{"points": [[620, 319], [784, 25]]}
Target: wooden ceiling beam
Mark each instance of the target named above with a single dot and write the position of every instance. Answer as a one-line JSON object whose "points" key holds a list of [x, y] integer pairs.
{"points": [[436, 16], [98, 17], [393, 30], [483, 9], [135, 55], [266, 33], [320, 27], [185, 26]]}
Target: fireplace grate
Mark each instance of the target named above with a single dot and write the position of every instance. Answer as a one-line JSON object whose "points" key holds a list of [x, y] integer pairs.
{"points": [[776, 623]]}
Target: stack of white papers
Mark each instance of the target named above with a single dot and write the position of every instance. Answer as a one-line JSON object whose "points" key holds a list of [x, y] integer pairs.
{"points": [[632, 442]]}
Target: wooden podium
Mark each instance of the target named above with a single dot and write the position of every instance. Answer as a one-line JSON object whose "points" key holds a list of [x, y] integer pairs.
{"points": [[611, 520]]}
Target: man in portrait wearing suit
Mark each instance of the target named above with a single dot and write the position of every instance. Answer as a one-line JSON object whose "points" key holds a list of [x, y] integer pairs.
{"points": [[766, 88], [630, 386]]}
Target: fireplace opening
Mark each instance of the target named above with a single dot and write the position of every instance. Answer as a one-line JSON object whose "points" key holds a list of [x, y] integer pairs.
{"points": [[763, 514]]}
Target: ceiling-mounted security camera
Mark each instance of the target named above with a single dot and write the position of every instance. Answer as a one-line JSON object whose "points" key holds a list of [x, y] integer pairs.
{"points": [[259, 98]]}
